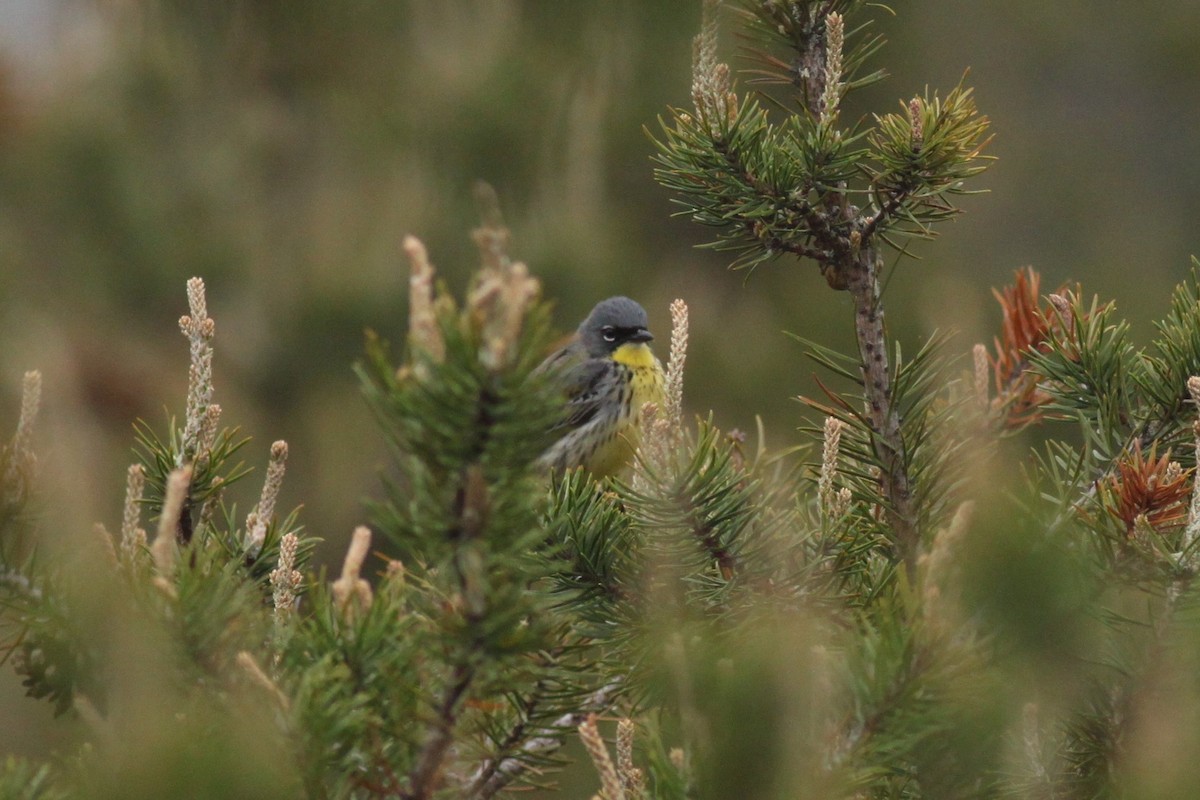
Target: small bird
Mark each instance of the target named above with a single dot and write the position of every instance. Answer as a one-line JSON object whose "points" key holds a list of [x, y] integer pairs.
{"points": [[607, 373]]}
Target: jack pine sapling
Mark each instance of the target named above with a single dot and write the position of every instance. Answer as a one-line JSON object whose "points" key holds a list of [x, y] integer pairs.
{"points": [[810, 187]]}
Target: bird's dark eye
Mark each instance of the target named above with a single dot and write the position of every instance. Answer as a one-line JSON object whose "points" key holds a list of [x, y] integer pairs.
{"points": [[609, 333]]}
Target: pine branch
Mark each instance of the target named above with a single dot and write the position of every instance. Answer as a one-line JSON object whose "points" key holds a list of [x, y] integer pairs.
{"points": [[799, 26]]}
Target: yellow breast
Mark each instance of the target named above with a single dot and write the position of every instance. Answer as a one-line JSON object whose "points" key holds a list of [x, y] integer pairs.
{"points": [[648, 382], [646, 385]]}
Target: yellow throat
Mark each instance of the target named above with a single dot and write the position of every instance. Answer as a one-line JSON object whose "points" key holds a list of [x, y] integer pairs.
{"points": [[636, 355]]}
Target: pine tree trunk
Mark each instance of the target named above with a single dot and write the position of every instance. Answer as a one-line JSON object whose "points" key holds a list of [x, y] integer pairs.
{"points": [[863, 284]]}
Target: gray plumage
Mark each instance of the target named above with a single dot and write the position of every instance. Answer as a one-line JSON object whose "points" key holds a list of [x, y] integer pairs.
{"points": [[612, 323], [596, 387]]}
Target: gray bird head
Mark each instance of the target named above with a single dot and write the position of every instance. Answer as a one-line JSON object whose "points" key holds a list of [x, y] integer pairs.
{"points": [[612, 323]]}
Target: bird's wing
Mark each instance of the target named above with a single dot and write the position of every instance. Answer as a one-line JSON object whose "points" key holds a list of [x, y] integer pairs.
{"points": [[569, 352], [591, 388], [588, 386], [582, 380]]}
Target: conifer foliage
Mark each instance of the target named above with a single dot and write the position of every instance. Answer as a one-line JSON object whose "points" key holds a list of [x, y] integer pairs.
{"points": [[933, 608], [813, 186]]}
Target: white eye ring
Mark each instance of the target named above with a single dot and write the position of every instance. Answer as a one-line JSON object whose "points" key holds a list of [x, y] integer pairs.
{"points": [[609, 334]]}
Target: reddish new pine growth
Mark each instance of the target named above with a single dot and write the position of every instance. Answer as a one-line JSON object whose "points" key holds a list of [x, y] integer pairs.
{"points": [[1028, 325], [1144, 485]]}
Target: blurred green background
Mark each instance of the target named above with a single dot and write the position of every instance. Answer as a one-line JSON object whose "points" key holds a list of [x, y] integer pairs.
{"points": [[281, 150]]}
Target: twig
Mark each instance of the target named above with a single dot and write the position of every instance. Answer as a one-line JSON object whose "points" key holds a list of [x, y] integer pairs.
{"points": [[427, 774], [495, 775]]}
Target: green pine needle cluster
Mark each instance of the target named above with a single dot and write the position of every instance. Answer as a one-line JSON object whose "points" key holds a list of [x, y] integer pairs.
{"points": [[803, 184]]}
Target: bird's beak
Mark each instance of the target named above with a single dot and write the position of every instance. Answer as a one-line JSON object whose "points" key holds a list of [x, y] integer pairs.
{"points": [[641, 335]]}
